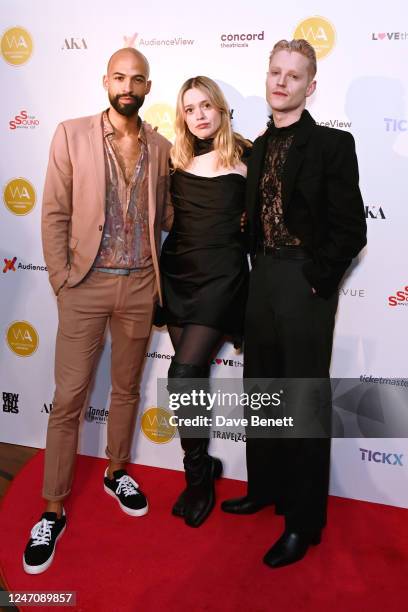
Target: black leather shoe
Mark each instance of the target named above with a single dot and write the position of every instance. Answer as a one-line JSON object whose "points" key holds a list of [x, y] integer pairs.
{"points": [[290, 548], [179, 507], [200, 495], [243, 505]]}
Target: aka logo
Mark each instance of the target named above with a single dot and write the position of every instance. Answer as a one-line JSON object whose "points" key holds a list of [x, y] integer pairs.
{"points": [[46, 408], [9, 264], [16, 46], [10, 402], [380, 457], [374, 212], [319, 32], [74, 43], [400, 298], [22, 338], [19, 196]]}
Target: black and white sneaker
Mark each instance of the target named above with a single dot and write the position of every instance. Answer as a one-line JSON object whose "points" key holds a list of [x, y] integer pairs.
{"points": [[40, 550], [130, 498]]}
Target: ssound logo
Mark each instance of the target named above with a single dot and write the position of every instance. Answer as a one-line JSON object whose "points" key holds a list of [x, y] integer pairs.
{"points": [[400, 298]]}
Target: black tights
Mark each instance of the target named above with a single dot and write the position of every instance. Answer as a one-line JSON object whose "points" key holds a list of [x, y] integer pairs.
{"points": [[194, 344]]}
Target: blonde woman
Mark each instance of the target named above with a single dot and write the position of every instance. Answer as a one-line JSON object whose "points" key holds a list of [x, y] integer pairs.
{"points": [[203, 264]]}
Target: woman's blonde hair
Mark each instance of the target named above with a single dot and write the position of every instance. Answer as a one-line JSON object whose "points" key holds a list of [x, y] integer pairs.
{"points": [[227, 143]]}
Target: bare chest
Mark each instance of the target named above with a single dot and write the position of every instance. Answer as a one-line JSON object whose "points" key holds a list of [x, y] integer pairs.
{"points": [[127, 150]]}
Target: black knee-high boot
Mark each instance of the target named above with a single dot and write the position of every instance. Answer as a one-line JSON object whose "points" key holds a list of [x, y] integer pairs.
{"points": [[197, 500]]}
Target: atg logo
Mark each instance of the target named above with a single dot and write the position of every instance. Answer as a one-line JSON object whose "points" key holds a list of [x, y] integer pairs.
{"points": [[9, 265], [395, 125], [19, 196], [319, 32], [16, 46], [23, 120], [389, 35], [381, 457], [75, 43], [400, 298], [241, 40], [373, 211]]}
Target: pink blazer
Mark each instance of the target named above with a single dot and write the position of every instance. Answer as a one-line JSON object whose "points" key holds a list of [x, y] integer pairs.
{"points": [[73, 211]]}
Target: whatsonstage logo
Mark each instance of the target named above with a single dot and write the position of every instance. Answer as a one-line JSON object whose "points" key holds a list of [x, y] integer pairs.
{"points": [[243, 39], [137, 40], [23, 121], [10, 402], [16, 46], [390, 36], [156, 425], [22, 338], [374, 211], [99, 416], [162, 117], [400, 298], [19, 196], [10, 265], [319, 32]]}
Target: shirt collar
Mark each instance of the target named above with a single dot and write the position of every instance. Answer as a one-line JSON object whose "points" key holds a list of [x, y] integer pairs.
{"points": [[109, 130]]}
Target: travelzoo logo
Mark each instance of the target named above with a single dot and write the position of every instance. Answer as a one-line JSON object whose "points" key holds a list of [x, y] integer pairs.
{"points": [[22, 338]]}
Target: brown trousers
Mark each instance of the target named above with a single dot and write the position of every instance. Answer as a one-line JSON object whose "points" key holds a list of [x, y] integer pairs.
{"points": [[127, 303]]}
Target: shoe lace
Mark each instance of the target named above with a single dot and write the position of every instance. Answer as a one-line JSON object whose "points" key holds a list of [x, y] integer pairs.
{"points": [[127, 486], [41, 533]]}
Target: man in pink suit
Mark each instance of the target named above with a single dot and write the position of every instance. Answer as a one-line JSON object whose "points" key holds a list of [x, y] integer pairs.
{"points": [[105, 203]]}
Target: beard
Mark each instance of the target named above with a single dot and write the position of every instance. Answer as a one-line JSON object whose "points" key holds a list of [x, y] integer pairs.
{"points": [[127, 110]]}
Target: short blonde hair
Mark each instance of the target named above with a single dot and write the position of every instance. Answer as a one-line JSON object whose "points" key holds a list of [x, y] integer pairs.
{"points": [[227, 143], [300, 45]]}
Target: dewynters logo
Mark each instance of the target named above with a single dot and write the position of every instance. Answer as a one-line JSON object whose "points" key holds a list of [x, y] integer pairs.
{"points": [[319, 32], [16, 46], [156, 426], [19, 196], [22, 338]]}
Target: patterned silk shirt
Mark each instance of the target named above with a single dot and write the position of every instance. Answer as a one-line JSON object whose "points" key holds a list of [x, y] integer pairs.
{"points": [[125, 241]]}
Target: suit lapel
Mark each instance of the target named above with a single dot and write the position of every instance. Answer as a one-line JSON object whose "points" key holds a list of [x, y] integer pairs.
{"points": [[97, 152], [152, 158], [295, 157]]}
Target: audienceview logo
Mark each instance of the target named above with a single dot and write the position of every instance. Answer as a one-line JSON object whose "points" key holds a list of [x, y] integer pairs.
{"points": [[162, 117], [156, 426], [23, 121], [16, 46], [240, 39], [176, 41], [10, 266], [19, 196], [400, 298], [319, 32], [22, 338]]}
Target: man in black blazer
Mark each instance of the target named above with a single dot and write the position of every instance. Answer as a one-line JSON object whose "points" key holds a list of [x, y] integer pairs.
{"points": [[306, 223]]}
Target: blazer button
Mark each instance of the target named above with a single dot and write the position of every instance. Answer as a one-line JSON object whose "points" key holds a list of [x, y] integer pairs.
{"points": [[100, 228]]}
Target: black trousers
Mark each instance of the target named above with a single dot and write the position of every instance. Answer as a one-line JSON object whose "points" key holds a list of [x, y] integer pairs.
{"points": [[288, 334]]}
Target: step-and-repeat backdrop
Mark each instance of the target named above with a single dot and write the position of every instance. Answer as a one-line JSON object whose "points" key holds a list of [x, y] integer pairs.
{"points": [[52, 58]]}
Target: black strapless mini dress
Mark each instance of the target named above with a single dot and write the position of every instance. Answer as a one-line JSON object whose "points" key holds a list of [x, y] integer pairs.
{"points": [[203, 262]]}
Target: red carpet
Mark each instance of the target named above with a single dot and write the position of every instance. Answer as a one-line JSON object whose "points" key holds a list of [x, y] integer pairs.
{"points": [[118, 563]]}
